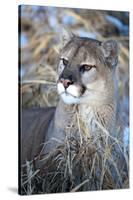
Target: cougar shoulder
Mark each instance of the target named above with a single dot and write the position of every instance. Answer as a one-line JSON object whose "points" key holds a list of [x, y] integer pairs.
{"points": [[34, 126]]}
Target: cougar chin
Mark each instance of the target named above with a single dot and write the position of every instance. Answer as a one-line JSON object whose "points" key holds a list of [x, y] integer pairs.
{"points": [[71, 95]]}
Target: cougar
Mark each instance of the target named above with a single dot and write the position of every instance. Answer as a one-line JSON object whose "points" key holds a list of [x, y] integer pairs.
{"points": [[87, 88]]}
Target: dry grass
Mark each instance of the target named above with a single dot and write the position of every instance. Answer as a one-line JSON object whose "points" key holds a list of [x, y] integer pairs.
{"points": [[81, 163]]}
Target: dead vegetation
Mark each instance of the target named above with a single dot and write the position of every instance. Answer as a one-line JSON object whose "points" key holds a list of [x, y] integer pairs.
{"points": [[81, 163], [84, 163]]}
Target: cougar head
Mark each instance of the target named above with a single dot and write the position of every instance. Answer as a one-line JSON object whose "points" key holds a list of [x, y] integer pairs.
{"points": [[85, 67]]}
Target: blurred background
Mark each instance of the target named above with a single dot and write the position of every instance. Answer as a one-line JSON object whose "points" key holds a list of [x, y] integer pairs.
{"points": [[39, 29]]}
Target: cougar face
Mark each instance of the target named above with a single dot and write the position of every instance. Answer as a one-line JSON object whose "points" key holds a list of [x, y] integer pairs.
{"points": [[85, 65]]}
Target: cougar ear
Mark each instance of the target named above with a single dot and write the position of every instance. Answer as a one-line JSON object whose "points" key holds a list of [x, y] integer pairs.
{"points": [[65, 36], [110, 50]]}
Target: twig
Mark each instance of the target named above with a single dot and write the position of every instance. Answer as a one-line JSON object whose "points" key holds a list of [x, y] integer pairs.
{"points": [[80, 185], [38, 82]]}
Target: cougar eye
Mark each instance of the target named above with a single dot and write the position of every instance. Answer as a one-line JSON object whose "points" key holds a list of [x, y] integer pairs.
{"points": [[86, 67], [65, 61]]}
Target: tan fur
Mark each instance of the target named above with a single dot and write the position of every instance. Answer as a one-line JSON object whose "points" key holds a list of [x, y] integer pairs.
{"points": [[96, 104]]}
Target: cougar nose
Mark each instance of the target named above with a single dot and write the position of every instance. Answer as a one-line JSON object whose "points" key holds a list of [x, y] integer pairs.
{"points": [[66, 82]]}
